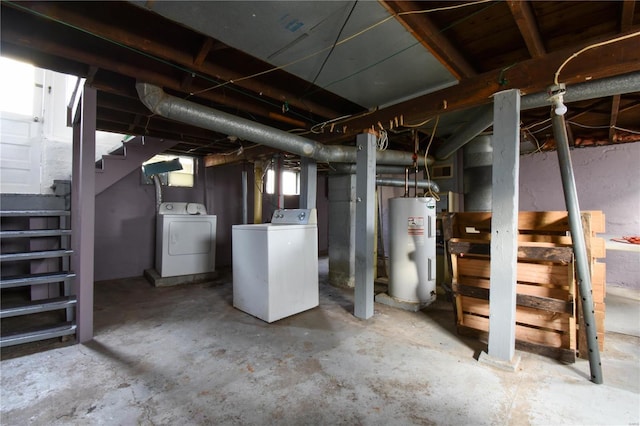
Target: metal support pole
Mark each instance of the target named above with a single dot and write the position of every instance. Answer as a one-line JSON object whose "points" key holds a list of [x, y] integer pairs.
{"points": [[365, 224], [308, 183], [257, 192], [83, 203], [504, 225], [579, 245], [245, 198]]}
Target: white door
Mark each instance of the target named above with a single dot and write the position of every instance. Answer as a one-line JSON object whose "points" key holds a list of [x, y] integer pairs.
{"points": [[21, 142]]}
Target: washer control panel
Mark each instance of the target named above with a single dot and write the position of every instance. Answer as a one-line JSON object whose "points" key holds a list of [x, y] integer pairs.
{"points": [[294, 217]]}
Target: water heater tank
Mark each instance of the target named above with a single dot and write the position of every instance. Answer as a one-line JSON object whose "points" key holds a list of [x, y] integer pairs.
{"points": [[412, 257]]}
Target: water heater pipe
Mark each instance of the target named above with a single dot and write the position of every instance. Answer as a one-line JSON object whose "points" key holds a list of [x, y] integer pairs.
{"points": [[399, 182], [204, 117]]}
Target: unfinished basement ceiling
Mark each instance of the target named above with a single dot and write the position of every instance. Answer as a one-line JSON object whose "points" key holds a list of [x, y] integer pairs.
{"points": [[404, 64], [378, 68]]}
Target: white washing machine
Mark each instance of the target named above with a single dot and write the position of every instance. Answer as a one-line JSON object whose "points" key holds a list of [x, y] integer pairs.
{"points": [[185, 240], [275, 266]]}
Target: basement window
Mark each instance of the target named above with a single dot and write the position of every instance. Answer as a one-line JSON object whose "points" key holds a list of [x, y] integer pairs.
{"points": [[179, 178], [290, 182]]}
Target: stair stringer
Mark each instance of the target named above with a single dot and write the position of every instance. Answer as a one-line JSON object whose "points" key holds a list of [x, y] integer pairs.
{"points": [[114, 167]]}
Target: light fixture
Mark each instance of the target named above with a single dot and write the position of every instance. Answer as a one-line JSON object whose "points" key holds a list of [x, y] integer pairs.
{"points": [[556, 97]]}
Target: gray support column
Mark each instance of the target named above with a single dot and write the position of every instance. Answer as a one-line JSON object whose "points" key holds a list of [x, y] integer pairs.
{"points": [[308, 183], [365, 224], [83, 211], [504, 225], [579, 244], [342, 225], [245, 198]]}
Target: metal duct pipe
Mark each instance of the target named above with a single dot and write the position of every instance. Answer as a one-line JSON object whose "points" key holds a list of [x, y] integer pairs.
{"points": [[480, 123], [390, 170], [579, 245], [627, 83], [422, 184], [158, 186], [204, 117]]}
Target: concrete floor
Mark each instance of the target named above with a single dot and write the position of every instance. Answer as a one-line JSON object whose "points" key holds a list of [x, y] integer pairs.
{"points": [[185, 356]]}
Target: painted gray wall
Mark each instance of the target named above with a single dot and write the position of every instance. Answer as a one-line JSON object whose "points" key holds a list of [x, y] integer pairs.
{"points": [[607, 179], [125, 217]]}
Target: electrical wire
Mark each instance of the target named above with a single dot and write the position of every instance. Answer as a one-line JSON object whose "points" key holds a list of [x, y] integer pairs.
{"points": [[335, 43], [347, 39], [426, 154], [637, 132], [593, 46], [419, 124]]}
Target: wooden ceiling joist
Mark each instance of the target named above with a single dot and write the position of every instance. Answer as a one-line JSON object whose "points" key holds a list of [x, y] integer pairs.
{"points": [[531, 76], [428, 34], [526, 21], [121, 36]]}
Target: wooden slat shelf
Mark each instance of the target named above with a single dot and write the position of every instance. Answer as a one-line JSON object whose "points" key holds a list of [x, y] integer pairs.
{"points": [[547, 301]]}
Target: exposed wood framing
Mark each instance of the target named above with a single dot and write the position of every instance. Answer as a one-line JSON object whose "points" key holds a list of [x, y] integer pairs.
{"points": [[615, 109], [428, 34], [626, 18], [531, 76], [203, 52], [523, 15], [42, 43], [180, 56]]}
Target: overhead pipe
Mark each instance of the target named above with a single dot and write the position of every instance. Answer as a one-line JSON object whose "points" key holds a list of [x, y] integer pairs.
{"points": [[399, 182], [381, 170], [618, 85], [579, 245], [204, 117]]}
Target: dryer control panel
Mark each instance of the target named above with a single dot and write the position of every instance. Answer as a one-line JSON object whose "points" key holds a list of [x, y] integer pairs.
{"points": [[182, 208]]}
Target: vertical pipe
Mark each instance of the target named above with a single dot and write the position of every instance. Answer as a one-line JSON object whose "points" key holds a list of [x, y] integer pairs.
{"points": [[406, 182], [245, 200], [579, 245], [257, 192]]}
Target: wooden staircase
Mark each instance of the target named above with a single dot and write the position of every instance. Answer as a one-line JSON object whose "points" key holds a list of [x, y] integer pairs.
{"points": [[35, 279], [119, 163]]}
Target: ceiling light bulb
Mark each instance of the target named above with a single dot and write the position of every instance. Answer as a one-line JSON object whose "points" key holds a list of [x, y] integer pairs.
{"points": [[561, 109]]}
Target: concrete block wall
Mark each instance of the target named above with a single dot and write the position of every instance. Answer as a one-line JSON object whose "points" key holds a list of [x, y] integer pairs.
{"points": [[607, 179]]}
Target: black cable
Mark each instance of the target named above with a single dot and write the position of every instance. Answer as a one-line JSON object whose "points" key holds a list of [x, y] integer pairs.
{"points": [[334, 44]]}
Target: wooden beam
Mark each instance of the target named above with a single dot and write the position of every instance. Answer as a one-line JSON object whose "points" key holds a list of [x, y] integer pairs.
{"points": [[249, 154], [524, 17], [615, 109], [430, 36], [40, 42], [531, 76], [121, 35], [626, 18], [626, 22], [203, 52]]}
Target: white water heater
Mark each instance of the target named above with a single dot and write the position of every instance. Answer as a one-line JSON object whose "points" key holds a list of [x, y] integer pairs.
{"points": [[412, 257]]}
